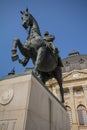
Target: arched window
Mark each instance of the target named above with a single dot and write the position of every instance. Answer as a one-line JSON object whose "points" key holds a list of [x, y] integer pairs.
{"points": [[82, 115], [69, 114]]}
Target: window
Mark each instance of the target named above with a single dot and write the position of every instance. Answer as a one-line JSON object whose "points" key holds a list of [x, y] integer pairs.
{"points": [[66, 93], [78, 92], [82, 115], [69, 114]]}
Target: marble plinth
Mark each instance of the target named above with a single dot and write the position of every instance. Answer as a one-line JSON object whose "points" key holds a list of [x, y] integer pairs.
{"points": [[25, 104]]}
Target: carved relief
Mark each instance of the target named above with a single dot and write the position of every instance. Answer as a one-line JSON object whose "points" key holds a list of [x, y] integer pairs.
{"points": [[6, 96], [4, 126], [76, 74]]}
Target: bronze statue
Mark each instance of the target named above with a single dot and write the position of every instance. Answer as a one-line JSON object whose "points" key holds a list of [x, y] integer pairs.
{"points": [[44, 55]]}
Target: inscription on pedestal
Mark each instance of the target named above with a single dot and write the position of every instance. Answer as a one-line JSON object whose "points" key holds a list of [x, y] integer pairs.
{"points": [[7, 124]]}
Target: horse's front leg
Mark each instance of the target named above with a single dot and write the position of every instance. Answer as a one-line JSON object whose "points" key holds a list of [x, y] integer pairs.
{"points": [[14, 49]]}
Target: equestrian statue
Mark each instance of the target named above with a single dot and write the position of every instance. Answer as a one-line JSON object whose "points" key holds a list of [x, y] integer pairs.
{"points": [[42, 51]]}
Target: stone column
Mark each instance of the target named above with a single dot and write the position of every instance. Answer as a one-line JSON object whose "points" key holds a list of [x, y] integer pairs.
{"points": [[74, 118], [85, 92]]}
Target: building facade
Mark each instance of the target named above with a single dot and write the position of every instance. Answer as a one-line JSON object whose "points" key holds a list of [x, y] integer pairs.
{"points": [[75, 89]]}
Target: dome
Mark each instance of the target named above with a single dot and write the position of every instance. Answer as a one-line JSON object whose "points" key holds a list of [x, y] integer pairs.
{"points": [[74, 61]]}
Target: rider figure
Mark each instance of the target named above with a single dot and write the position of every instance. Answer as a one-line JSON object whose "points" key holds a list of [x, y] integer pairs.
{"points": [[49, 38]]}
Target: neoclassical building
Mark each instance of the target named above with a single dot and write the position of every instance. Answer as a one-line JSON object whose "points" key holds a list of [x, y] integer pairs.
{"points": [[74, 74]]}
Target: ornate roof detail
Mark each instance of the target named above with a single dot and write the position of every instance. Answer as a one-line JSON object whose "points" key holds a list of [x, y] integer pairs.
{"points": [[74, 53], [74, 61]]}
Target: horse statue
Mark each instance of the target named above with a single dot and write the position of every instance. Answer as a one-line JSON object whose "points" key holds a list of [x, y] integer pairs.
{"points": [[45, 56]]}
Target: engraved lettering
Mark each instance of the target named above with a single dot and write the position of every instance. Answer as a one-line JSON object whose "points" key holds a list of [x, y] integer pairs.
{"points": [[4, 126], [13, 127], [8, 124], [0, 126]]}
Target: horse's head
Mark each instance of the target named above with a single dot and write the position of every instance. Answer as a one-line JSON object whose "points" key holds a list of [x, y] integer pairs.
{"points": [[26, 19]]}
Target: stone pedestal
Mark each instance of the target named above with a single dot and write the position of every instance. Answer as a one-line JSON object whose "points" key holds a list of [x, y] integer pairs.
{"points": [[25, 104]]}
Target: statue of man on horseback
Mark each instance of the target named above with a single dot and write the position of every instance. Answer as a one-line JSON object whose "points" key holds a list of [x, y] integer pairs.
{"points": [[44, 55]]}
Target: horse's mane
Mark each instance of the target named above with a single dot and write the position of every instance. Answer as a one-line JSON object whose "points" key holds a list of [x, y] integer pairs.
{"points": [[37, 26]]}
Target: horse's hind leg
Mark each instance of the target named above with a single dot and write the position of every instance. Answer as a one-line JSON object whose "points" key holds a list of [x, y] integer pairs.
{"points": [[58, 76]]}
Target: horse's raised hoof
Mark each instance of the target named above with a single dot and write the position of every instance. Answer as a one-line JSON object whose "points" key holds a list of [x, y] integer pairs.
{"points": [[15, 57]]}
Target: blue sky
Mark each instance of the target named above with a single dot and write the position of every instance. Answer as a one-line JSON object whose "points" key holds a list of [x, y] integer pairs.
{"points": [[66, 19]]}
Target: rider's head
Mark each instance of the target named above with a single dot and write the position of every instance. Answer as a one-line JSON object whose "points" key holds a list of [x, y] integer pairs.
{"points": [[46, 33], [48, 37]]}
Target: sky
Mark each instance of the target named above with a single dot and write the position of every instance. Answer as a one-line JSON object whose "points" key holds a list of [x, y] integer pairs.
{"points": [[66, 19]]}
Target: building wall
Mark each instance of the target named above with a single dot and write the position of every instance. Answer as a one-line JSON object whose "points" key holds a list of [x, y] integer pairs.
{"points": [[75, 94]]}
